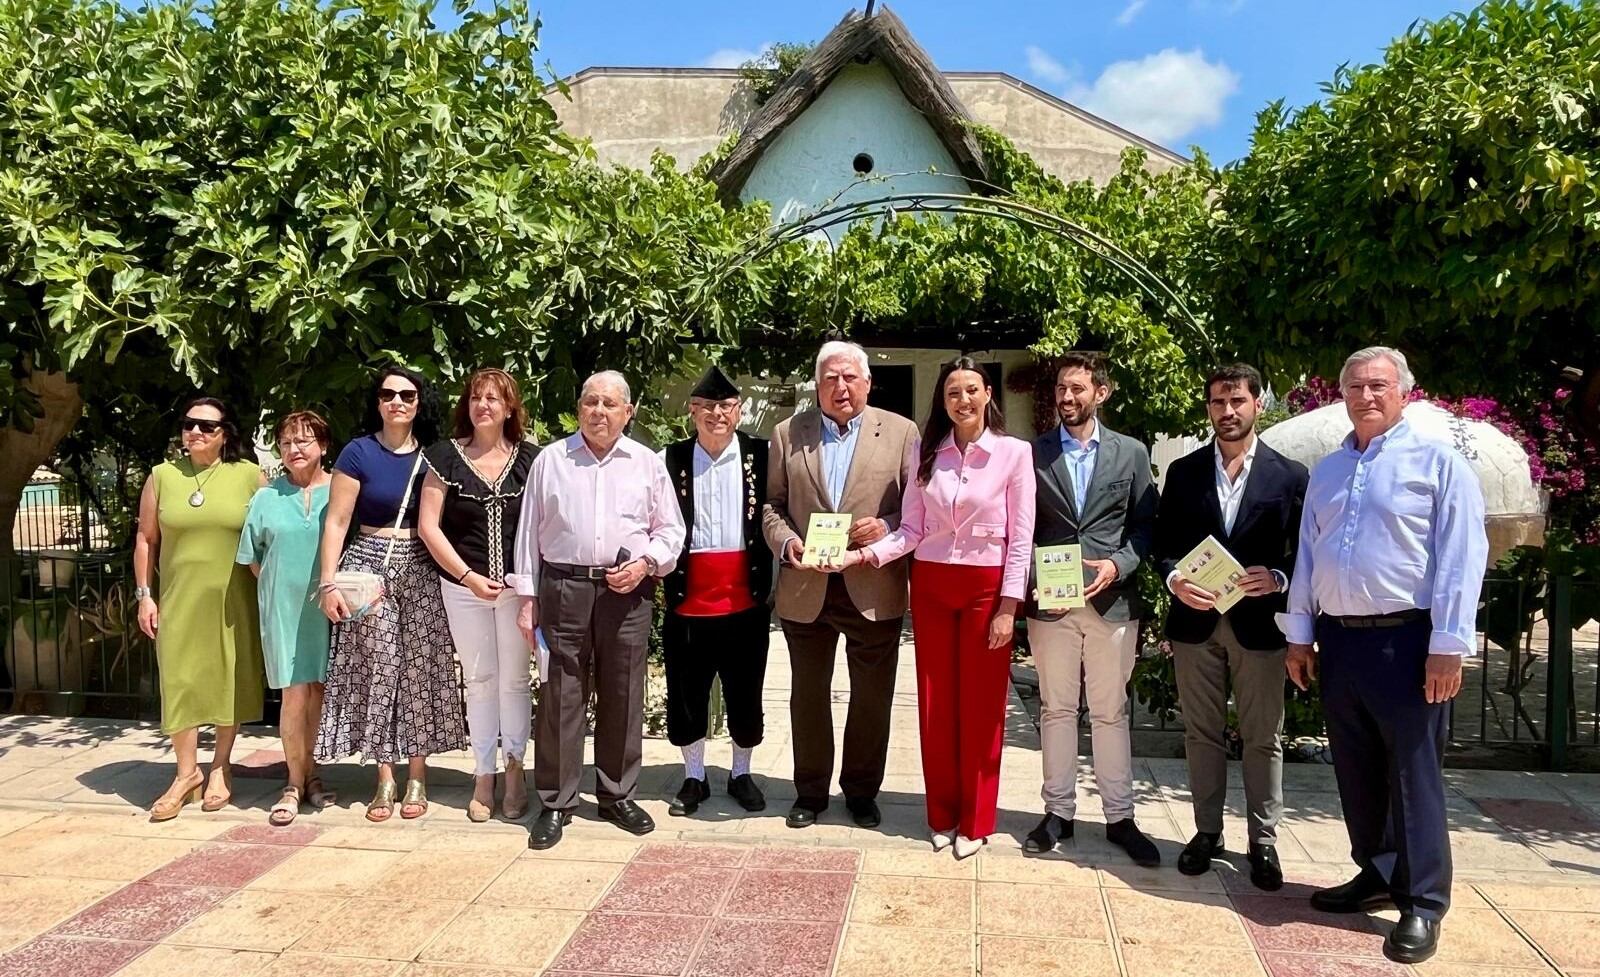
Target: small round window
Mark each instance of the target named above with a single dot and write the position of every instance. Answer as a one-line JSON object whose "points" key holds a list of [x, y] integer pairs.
{"points": [[862, 163]]}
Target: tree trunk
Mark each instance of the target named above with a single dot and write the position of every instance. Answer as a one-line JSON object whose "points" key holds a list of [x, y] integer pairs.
{"points": [[21, 453]]}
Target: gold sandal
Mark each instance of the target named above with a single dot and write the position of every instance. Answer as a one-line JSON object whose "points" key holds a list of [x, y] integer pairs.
{"points": [[168, 807], [382, 806], [416, 797]]}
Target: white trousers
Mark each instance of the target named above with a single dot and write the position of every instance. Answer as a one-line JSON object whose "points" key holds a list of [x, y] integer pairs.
{"points": [[494, 668], [1083, 652]]}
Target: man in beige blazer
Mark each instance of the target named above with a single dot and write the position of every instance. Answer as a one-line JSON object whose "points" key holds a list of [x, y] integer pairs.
{"points": [[841, 456]]}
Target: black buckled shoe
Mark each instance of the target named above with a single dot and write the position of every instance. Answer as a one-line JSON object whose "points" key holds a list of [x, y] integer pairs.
{"points": [[1412, 940], [1266, 873], [628, 816], [546, 828], [1049, 833], [864, 811], [1195, 859], [1365, 893], [691, 795], [1127, 836], [744, 790]]}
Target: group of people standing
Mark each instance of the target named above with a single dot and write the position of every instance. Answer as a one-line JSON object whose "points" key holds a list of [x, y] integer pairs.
{"points": [[488, 547]]}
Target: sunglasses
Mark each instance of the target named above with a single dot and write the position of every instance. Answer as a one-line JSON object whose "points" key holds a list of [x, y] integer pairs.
{"points": [[202, 425], [387, 394]]}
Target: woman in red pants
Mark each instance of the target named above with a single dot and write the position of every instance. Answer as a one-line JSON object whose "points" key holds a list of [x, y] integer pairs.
{"points": [[968, 515]]}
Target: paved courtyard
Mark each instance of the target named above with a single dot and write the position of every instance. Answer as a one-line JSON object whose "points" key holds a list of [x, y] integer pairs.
{"points": [[89, 888]]}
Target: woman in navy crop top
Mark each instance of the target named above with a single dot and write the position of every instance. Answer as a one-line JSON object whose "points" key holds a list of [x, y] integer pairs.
{"points": [[392, 692]]}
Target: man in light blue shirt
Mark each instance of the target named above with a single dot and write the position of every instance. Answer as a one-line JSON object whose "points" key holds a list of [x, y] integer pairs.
{"points": [[1080, 457], [1391, 560], [838, 450]]}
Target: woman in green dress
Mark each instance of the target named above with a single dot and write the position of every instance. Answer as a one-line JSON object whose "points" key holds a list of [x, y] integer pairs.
{"points": [[208, 641], [282, 536]]}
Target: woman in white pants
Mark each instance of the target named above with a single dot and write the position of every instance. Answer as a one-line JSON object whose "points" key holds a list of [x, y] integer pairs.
{"points": [[471, 500]]}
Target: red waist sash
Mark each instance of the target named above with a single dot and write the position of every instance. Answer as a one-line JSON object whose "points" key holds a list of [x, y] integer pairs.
{"points": [[719, 584]]}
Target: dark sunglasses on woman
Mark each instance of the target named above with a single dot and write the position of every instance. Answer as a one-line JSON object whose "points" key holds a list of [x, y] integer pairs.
{"points": [[387, 394], [202, 425]]}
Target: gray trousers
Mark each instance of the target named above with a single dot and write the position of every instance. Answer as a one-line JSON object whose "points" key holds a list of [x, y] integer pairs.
{"points": [[1258, 676], [587, 625]]}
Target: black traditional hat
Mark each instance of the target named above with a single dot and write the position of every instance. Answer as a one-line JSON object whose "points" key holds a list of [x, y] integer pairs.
{"points": [[714, 385]]}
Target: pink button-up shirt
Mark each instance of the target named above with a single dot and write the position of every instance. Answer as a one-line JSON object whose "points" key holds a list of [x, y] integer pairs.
{"points": [[976, 509], [578, 509]]}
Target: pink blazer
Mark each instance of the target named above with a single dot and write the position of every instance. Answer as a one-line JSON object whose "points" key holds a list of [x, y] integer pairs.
{"points": [[976, 509]]}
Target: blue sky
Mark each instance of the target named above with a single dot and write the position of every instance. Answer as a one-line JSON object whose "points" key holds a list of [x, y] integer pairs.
{"points": [[1180, 72]]}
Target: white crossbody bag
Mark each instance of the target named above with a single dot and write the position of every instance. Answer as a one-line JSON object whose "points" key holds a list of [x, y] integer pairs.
{"points": [[362, 589]]}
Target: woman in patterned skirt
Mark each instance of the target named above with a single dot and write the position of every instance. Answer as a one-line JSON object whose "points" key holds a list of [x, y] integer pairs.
{"points": [[208, 648], [393, 690]]}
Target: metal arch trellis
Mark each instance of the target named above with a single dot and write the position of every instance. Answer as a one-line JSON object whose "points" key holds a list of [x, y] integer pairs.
{"points": [[832, 214]]}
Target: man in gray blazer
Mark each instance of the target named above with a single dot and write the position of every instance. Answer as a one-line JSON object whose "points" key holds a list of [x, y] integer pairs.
{"points": [[1094, 489]]}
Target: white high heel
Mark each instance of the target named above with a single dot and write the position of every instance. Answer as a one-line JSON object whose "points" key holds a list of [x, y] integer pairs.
{"points": [[967, 847], [943, 840]]}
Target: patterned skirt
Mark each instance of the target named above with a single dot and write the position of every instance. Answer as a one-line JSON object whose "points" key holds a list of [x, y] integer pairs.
{"points": [[394, 687]]}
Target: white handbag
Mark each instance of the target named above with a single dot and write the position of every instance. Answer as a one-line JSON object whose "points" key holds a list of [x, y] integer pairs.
{"points": [[361, 589]]}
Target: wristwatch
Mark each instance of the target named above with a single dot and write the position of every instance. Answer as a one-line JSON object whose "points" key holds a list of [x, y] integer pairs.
{"points": [[650, 564]]}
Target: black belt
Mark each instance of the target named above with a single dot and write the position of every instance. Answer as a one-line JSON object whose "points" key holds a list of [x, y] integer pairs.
{"points": [[568, 571], [1396, 620]]}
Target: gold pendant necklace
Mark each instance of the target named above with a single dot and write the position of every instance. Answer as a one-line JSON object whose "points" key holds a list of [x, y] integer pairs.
{"points": [[197, 498]]}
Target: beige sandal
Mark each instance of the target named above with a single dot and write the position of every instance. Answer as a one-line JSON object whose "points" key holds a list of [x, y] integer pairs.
{"points": [[320, 796], [216, 802], [287, 809], [168, 806], [514, 803], [382, 806]]}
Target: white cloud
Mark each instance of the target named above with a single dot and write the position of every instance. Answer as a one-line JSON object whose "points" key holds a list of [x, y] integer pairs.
{"points": [[1163, 96], [733, 57], [1047, 69], [1130, 12]]}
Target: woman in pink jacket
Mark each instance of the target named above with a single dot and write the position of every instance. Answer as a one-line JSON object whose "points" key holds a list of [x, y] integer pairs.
{"points": [[968, 515]]}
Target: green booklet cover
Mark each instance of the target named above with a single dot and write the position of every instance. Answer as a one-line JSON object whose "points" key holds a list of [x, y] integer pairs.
{"points": [[1058, 576], [827, 537]]}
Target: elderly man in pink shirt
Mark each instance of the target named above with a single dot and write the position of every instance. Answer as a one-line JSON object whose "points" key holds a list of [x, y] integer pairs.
{"points": [[599, 527], [967, 513]]}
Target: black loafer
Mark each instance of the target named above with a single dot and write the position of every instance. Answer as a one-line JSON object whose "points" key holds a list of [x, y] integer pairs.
{"points": [[802, 815], [1412, 940], [1049, 833], [1266, 873], [1365, 893], [628, 816], [744, 790], [864, 811], [1195, 859], [691, 795], [1127, 836], [546, 828]]}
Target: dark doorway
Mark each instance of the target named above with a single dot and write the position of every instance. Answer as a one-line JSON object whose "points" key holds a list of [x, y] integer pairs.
{"points": [[894, 390]]}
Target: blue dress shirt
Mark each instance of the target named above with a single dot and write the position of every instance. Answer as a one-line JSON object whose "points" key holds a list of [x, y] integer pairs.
{"points": [[1081, 456], [838, 449], [1396, 527]]}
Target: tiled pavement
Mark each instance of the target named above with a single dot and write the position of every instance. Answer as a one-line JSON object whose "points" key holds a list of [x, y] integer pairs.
{"points": [[89, 888]]}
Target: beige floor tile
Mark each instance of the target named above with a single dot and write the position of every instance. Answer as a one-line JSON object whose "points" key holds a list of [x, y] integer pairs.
{"points": [[585, 850], [1126, 876], [33, 905], [1191, 961], [1478, 936], [1559, 898], [258, 920], [1445, 968], [447, 875], [1050, 871], [1572, 940], [341, 871], [883, 900], [369, 837], [552, 884], [1175, 918], [458, 970], [313, 965], [84, 855], [503, 936], [12, 820], [487, 839], [876, 951], [921, 862], [1021, 909], [1009, 956], [167, 959], [380, 928]]}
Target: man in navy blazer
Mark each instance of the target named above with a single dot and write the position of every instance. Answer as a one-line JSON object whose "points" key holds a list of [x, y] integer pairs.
{"points": [[1249, 497]]}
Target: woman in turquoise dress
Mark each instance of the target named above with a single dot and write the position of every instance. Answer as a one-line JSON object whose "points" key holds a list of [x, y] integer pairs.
{"points": [[281, 542]]}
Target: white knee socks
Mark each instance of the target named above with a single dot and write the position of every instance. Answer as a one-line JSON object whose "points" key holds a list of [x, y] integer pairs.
{"points": [[741, 760], [694, 760]]}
